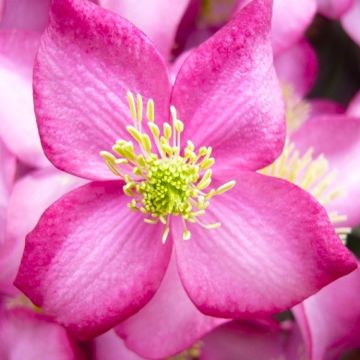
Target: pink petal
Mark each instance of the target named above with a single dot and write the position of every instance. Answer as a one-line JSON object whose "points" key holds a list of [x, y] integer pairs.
{"points": [[289, 22], [110, 347], [7, 174], [297, 66], [338, 138], [18, 125], [24, 334], [151, 331], [25, 14], [228, 95], [146, 15], [330, 319], [30, 197], [275, 247], [350, 21], [354, 106], [245, 341], [325, 107], [88, 59], [334, 9], [91, 262]]}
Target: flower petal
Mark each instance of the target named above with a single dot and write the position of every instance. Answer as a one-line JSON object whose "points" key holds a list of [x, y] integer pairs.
{"points": [[150, 332], [88, 59], [25, 334], [275, 247], [29, 198], [297, 66], [18, 125], [289, 22], [334, 9], [7, 174], [227, 93], [325, 107], [354, 106], [145, 15], [338, 138], [110, 347], [243, 340], [330, 319], [25, 14], [350, 22], [91, 262]]}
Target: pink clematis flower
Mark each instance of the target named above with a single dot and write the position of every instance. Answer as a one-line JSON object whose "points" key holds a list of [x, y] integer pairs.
{"points": [[7, 174], [350, 21], [334, 9], [330, 320], [29, 198], [25, 334], [90, 261], [251, 340], [291, 18]]}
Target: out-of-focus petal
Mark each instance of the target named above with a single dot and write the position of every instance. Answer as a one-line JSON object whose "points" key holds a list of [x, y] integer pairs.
{"points": [[7, 174], [29, 198], [25, 14], [334, 9], [297, 67], [158, 19], [27, 335], [338, 138], [354, 106], [91, 262], [275, 247], [168, 324], [88, 59], [320, 107], [109, 346], [330, 319], [245, 341], [289, 22], [350, 21], [18, 126], [228, 95]]}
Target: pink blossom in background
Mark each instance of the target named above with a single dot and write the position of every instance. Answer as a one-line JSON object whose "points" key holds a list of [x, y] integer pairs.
{"points": [[99, 249], [29, 198], [25, 334], [334, 9], [248, 340], [7, 175], [350, 21], [330, 319]]}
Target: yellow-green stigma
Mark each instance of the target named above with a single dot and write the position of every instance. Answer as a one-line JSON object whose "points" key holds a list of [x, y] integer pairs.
{"points": [[161, 179]]}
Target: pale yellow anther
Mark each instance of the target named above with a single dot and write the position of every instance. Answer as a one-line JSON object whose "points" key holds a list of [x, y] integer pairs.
{"points": [[207, 163], [146, 143], [154, 130], [139, 105], [186, 234], [150, 110], [134, 133], [167, 131], [131, 101], [226, 187], [179, 126]]}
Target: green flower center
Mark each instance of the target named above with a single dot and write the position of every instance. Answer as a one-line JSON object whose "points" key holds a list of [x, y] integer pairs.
{"points": [[160, 179]]}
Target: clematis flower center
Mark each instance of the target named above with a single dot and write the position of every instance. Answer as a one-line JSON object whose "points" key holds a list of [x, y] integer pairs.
{"points": [[313, 175], [161, 179]]}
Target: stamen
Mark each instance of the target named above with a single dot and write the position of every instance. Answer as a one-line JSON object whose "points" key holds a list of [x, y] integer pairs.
{"points": [[311, 174], [161, 180]]}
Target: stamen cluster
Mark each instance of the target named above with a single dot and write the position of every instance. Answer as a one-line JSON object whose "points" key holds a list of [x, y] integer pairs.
{"points": [[161, 180], [311, 174]]}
